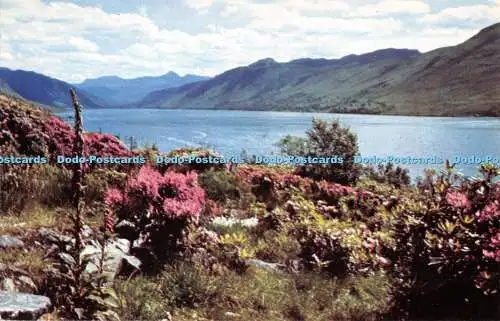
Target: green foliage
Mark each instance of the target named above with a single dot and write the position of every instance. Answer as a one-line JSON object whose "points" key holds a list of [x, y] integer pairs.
{"points": [[187, 285], [326, 140], [219, 185], [273, 246], [17, 188], [139, 299], [292, 145], [388, 174], [446, 250]]}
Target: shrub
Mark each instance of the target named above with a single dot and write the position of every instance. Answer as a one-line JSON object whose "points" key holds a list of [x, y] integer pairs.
{"points": [[326, 140], [219, 185], [193, 166], [447, 249], [22, 128], [388, 174], [340, 248], [62, 136], [272, 186], [154, 210]]}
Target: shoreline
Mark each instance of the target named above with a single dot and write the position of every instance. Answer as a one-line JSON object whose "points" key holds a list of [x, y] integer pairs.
{"points": [[281, 111]]}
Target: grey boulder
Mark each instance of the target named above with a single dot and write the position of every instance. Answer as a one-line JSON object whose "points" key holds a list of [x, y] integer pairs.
{"points": [[22, 306], [7, 241]]}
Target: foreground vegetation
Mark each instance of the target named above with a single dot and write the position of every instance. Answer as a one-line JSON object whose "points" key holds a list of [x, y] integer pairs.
{"points": [[329, 243]]}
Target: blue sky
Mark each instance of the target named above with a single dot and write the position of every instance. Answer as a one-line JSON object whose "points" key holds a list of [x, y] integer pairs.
{"points": [[74, 40]]}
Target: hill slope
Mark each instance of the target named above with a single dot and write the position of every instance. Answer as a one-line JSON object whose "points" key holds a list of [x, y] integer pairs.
{"points": [[118, 91], [41, 89], [460, 80]]}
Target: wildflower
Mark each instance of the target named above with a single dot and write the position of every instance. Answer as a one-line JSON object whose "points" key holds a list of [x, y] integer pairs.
{"points": [[489, 212], [113, 196], [146, 181], [458, 200]]}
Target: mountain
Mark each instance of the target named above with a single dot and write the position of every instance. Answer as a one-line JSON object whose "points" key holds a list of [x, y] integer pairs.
{"points": [[117, 91], [453, 81], [40, 89], [459, 80]]}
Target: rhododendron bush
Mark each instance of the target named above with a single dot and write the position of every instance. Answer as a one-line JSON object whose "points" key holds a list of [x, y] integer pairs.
{"points": [[21, 129], [154, 209], [448, 242], [63, 135]]}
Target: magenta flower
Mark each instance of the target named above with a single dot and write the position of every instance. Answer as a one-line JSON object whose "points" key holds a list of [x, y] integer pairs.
{"points": [[113, 196], [458, 200], [62, 136], [147, 182], [172, 194], [489, 212]]}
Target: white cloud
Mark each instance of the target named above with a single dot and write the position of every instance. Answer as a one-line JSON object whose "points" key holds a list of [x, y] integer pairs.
{"points": [[5, 52], [388, 7], [73, 42], [199, 4], [82, 44], [476, 13]]}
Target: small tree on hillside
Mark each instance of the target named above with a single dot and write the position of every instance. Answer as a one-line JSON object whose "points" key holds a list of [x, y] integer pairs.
{"points": [[325, 140]]}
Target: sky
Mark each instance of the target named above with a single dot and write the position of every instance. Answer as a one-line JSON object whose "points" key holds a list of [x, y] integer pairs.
{"points": [[79, 39]]}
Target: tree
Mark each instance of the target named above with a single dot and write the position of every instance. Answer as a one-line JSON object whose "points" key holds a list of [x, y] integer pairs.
{"points": [[325, 140]]}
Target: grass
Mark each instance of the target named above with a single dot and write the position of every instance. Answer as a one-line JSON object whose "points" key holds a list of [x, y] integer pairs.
{"points": [[33, 218], [191, 293], [30, 260]]}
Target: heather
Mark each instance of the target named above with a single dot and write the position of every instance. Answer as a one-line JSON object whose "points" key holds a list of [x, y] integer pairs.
{"points": [[27, 130], [258, 243]]}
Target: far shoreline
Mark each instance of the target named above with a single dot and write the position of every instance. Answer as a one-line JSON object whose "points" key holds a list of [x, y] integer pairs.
{"points": [[60, 110]]}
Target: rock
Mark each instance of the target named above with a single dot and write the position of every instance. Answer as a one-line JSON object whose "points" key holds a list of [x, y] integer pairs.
{"points": [[7, 241], [114, 252], [56, 237], [22, 306], [273, 267], [126, 230], [53, 236]]}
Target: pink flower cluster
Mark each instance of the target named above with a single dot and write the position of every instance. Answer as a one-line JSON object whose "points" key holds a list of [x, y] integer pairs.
{"points": [[105, 145], [458, 200], [489, 212], [63, 135], [493, 248], [174, 195], [334, 190]]}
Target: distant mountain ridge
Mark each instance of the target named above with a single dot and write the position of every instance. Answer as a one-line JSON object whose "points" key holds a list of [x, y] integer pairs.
{"points": [[40, 89], [460, 80], [266, 84], [116, 91]]}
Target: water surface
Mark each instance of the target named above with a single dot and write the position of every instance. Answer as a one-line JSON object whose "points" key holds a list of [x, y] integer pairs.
{"points": [[230, 132]]}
